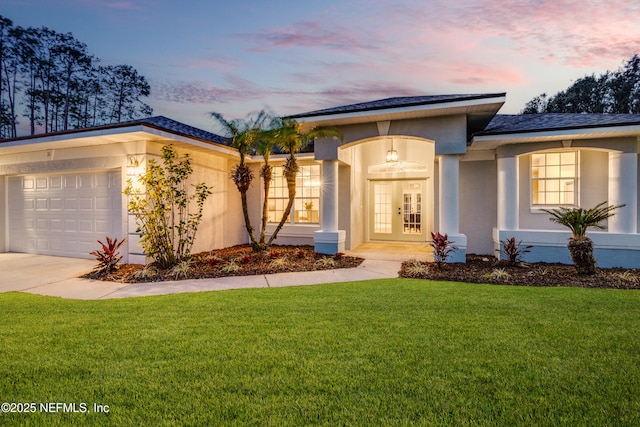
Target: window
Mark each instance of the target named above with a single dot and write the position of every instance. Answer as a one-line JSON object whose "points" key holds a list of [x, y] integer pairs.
{"points": [[554, 178], [306, 206]]}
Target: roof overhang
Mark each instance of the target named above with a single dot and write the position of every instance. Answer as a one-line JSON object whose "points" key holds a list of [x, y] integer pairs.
{"points": [[481, 106], [491, 142], [111, 135]]}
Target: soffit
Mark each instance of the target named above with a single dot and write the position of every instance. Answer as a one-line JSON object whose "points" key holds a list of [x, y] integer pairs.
{"points": [[482, 106], [139, 133], [491, 142]]}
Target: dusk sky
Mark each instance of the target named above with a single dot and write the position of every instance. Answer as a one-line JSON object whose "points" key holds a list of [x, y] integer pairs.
{"points": [[293, 56]]}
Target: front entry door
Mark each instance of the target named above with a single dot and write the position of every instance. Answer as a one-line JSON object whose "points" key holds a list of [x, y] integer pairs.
{"points": [[396, 210]]}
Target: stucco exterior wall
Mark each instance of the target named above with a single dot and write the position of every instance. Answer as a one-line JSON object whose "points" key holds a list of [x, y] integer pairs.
{"points": [[478, 204], [3, 210], [597, 179], [222, 223], [358, 205], [344, 202]]}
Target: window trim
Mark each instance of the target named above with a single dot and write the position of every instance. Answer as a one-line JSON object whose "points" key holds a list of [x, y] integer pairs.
{"points": [[291, 219], [539, 208]]}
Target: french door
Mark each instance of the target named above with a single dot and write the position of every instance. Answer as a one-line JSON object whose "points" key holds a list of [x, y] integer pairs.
{"points": [[396, 210]]}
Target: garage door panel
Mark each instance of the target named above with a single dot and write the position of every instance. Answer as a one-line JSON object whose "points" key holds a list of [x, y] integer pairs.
{"points": [[64, 214], [56, 204], [85, 226], [28, 184], [85, 204], [69, 182], [55, 182], [42, 183], [42, 204], [56, 225]]}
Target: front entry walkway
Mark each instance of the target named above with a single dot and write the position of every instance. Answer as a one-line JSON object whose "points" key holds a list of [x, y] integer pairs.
{"points": [[392, 251]]}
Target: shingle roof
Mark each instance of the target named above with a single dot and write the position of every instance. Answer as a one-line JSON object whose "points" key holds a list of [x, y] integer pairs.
{"points": [[158, 122], [524, 123], [404, 101], [180, 128]]}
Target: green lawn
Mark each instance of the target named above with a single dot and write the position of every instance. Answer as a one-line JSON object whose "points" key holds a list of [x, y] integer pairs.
{"points": [[386, 352]]}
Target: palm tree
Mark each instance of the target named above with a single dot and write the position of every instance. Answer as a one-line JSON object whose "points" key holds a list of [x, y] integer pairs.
{"points": [[290, 138], [578, 220], [243, 134], [264, 145]]}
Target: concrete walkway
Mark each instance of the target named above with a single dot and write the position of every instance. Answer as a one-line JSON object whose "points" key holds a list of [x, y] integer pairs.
{"points": [[58, 276]]}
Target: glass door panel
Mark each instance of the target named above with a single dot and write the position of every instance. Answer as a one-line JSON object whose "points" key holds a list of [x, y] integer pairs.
{"points": [[396, 210], [412, 208]]}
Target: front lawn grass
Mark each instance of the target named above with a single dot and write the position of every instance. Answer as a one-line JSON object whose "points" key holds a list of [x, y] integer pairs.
{"points": [[385, 352]]}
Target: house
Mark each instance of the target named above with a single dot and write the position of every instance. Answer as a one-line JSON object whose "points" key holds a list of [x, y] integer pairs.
{"points": [[407, 166]]}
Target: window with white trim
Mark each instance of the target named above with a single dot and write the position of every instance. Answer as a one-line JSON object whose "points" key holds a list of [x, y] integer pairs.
{"points": [[554, 178], [306, 206]]}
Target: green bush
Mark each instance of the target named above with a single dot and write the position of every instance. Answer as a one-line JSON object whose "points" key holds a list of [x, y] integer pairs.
{"points": [[166, 223]]}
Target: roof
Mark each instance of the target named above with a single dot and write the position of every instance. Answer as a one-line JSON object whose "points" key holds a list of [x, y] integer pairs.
{"points": [[503, 124], [397, 102], [185, 130], [157, 122]]}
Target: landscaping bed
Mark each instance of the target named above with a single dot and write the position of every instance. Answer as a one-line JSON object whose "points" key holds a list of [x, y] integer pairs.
{"points": [[234, 261], [484, 269]]}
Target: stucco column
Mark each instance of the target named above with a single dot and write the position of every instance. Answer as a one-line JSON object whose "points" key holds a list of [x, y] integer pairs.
{"points": [[329, 219], [449, 204], [507, 193], [329, 239], [623, 186]]}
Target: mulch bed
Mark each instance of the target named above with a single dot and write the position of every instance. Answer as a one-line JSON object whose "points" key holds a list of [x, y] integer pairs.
{"points": [[235, 261], [482, 269]]}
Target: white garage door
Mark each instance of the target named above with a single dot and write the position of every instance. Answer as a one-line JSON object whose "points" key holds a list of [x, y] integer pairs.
{"points": [[64, 214]]}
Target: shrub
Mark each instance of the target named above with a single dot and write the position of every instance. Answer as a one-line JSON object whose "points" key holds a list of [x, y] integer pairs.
{"points": [[149, 272], [626, 276], [181, 270], [442, 247], [325, 262], [300, 253], [497, 274], [415, 268], [278, 263], [166, 224], [231, 267], [274, 254], [245, 259], [107, 257], [579, 220], [514, 251], [212, 259]]}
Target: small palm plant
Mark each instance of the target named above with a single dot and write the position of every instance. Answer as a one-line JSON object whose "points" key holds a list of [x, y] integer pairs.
{"points": [[578, 220]]}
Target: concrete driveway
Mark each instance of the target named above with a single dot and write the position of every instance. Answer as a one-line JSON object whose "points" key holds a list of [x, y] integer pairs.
{"points": [[28, 272]]}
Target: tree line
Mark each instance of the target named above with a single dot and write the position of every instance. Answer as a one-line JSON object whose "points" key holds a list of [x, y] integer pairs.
{"points": [[613, 92], [51, 80]]}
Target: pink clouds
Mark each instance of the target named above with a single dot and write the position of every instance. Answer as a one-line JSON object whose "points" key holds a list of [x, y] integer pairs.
{"points": [[307, 34], [123, 5]]}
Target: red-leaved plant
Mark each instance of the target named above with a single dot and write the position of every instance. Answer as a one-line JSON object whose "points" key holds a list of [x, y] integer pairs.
{"points": [[107, 257], [300, 253], [514, 251], [274, 254], [442, 247]]}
